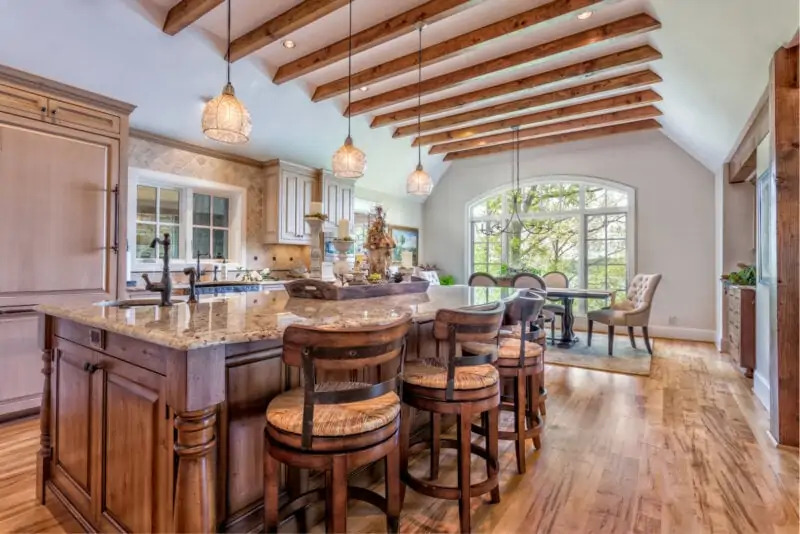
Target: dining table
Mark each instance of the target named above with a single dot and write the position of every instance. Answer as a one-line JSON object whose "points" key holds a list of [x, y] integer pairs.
{"points": [[567, 296]]}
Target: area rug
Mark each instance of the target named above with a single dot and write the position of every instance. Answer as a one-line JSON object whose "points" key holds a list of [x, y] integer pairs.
{"points": [[626, 359]]}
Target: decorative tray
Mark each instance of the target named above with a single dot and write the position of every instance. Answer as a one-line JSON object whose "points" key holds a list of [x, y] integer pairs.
{"points": [[317, 289]]}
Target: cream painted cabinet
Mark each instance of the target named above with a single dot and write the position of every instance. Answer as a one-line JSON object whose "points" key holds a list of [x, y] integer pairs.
{"points": [[20, 359], [290, 190], [338, 199]]}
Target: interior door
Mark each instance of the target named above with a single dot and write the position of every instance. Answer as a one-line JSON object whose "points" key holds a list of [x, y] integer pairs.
{"points": [[56, 215]]}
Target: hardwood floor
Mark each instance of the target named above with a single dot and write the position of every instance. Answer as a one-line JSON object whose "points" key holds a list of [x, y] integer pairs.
{"points": [[683, 451]]}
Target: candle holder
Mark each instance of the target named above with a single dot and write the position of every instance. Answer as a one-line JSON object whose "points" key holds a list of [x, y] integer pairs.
{"points": [[315, 223], [341, 267]]}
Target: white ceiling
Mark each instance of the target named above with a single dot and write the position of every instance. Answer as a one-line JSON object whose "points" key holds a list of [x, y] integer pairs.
{"points": [[715, 67]]}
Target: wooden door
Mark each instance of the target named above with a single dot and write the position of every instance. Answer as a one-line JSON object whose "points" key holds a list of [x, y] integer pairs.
{"points": [[135, 490], [20, 361], [56, 216], [74, 430]]}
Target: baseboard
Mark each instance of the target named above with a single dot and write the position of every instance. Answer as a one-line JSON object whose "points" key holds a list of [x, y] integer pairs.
{"points": [[667, 332], [20, 407], [761, 389]]}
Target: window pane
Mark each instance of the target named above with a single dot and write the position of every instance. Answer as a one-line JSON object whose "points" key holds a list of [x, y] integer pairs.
{"points": [[570, 197], [201, 241], [616, 199], [616, 277], [491, 206], [145, 203], [595, 197], [596, 227], [616, 226], [220, 244], [145, 233], [202, 210], [221, 211], [616, 251], [174, 239], [170, 206], [595, 252], [546, 245], [597, 277]]}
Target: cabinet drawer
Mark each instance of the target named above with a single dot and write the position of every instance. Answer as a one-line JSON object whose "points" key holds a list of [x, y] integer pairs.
{"points": [[75, 116], [19, 102]]}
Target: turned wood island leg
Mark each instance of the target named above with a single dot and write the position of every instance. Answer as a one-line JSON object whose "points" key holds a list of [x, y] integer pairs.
{"points": [[45, 445], [195, 495]]}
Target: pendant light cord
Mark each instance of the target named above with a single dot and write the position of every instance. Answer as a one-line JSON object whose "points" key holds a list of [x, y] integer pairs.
{"points": [[228, 55], [419, 96], [349, 64]]}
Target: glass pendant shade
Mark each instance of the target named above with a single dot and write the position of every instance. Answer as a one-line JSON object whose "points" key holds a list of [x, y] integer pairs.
{"points": [[349, 162], [226, 119], [419, 183]]}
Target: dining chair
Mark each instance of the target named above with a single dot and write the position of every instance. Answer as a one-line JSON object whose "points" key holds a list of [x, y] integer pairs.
{"points": [[633, 311], [556, 279], [482, 280]]}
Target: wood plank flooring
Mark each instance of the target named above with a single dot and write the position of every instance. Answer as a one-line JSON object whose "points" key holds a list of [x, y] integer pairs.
{"points": [[683, 451]]}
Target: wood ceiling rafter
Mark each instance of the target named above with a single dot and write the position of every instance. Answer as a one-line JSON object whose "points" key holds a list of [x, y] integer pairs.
{"points": [[629, 26], [456, 45], [648, 96], [605, 119], [186, 12], [626, 58], [386, 30], [279, 27], [603, 131], [626, 81]]}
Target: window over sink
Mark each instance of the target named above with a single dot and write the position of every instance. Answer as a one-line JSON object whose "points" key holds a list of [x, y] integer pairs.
{"points": [[201, 217]]}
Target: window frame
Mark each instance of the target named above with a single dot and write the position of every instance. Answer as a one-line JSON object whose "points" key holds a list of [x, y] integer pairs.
{"points": [[582, 213], [188, 186]]}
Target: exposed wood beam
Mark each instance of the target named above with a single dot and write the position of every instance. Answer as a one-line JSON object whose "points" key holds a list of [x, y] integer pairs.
{"points": [[637, 126], [627, 81], [373, 36], [628, 26], [606, 119], [186, 12], [784, 365], [290, 20], [626, 58], [451, 47], [741, 163], [647, 96]]}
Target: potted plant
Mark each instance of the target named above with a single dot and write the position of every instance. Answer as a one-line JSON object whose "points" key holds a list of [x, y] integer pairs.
{"points": [[745, 276]]}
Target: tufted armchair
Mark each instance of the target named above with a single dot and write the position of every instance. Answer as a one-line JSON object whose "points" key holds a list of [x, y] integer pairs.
{"points": [[633, 311]]}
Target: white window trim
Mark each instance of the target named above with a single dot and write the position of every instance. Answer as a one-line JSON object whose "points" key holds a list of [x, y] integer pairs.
{"points": [[630, 212], [237, 223]]}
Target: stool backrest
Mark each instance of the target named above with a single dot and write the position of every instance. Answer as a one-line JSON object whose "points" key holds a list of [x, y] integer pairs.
{"points": [[481, 324], [525, 309], [323, 349]]}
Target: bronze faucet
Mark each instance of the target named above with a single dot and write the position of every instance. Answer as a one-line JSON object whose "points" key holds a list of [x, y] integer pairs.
{"points": [[165, 286], [191, 272]]}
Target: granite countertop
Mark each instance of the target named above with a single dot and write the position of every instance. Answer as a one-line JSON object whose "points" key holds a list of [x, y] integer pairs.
{"points": [[142, 289], [243, 317]]}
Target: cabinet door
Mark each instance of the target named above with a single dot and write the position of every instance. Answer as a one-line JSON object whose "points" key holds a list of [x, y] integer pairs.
{"points": [[288, 206], [333, 204], [305, 194], [23, 103], [75, 116], [20, 360], [74, 431], [56, 215], [347, 203], [135, 449]]}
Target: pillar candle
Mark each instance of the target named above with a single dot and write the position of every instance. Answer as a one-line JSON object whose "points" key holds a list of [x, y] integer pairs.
{"points": [[344, 229], [407, 259], [316, 207]]}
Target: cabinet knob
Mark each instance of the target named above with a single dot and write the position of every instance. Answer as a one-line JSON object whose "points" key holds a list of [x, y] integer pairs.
{"points": [[90, 367], [44, 109], [53, 111]]}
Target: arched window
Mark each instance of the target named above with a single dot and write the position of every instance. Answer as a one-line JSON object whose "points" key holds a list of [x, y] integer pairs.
{"points": [[579, 227]]}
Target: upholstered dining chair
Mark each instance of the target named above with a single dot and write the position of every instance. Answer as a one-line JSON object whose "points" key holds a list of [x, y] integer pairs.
{"points": [[536, 282], [558, 280], [633, 311], [482, 280]]}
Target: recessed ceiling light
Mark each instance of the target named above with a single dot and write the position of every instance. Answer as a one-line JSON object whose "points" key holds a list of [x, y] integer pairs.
{"points": [[365, 89], [288, 43], [585, 15]]}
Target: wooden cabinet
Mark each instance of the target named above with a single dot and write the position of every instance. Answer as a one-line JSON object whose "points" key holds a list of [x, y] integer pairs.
{"points": [[741, 322], [338, 199], [290, 190], [81, 117], [23, 103]]}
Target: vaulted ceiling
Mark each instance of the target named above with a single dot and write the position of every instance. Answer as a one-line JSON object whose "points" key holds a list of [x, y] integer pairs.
{"points": [[695, 69]]}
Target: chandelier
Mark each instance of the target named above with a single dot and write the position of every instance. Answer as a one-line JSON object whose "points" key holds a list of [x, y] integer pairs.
{"points": [[419, 182], [225, 118], [514, 224]]}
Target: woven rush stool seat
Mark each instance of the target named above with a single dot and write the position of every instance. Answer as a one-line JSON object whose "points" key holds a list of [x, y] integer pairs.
{"points": [[431, 373], [508, 351], [285, 412], [463, 385], [334, 425]]}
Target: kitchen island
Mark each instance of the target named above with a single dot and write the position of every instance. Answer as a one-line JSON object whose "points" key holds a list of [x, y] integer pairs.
{"points": [[153, 418]]}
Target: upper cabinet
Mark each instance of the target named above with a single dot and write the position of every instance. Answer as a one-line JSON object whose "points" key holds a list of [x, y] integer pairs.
{"points": [[290, 190], [338, 198]]}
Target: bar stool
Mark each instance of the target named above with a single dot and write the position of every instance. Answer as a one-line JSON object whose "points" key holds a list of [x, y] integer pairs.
{"points": [[519, 361], [463, 386], [335, 426], [539, 336]]}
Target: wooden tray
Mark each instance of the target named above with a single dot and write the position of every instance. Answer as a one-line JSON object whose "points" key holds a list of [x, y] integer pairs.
{"points": [[317, 289]]}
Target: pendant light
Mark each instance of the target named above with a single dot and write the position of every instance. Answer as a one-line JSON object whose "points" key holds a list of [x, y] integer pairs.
{"points": [[348, 161], [419, 182], [225, 118]]}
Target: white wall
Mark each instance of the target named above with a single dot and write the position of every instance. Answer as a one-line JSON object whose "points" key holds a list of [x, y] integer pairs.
{"points": [[675, 216]]}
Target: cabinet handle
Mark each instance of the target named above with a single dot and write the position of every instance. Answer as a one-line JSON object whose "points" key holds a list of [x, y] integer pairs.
{"points": [[91, 368], [44, 109]]}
